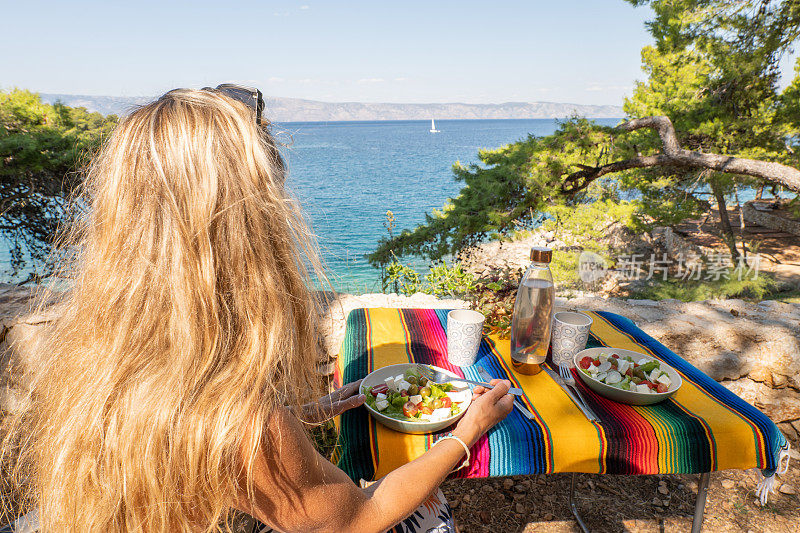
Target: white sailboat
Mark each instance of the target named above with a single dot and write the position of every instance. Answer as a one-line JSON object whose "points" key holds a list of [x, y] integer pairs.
{"points": [[433, 127]]}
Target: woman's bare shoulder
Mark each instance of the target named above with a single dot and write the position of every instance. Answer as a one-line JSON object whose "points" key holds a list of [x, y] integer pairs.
{"points": [[286, 451], [293, 484]]}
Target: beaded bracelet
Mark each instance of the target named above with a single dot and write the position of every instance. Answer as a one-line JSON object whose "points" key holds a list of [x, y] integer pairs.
{"points": [[466, 448]]}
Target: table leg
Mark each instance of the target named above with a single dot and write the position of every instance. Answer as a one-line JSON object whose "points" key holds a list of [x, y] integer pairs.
{"points": [[574, 508], [700, 503]]}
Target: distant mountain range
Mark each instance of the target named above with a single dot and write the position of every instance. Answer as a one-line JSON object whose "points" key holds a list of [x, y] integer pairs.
{"points": [[297, 110]]}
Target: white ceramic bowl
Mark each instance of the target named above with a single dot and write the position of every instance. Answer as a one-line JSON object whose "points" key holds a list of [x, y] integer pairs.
{"points": [[626, 396], [378, 376]]}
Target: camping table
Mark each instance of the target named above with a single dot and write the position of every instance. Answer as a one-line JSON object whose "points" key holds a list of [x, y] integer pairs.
{"points": [[702, 428]]}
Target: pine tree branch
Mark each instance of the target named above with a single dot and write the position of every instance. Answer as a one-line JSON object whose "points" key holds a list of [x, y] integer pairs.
{"points": [[674, 156]]}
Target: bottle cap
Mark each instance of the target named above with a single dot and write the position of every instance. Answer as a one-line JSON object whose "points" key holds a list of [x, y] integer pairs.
{"points": [[541, 254]]}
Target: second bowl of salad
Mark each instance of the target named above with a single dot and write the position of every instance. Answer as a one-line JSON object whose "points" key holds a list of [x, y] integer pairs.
{"points": [[626, 376], [401, 399]]}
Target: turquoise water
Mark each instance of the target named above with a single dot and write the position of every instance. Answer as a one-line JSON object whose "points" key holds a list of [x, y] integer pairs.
{"points": [[348, 174]]}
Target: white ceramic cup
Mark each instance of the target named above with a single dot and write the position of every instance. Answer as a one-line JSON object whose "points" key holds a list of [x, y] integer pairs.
{"points": [[464, 330], [570, 333]]}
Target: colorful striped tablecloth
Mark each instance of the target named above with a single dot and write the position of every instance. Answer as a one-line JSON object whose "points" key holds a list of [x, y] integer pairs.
{"points": [[703, 427]]}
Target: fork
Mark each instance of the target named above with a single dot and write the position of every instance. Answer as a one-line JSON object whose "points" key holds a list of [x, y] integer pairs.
{"points": [[566, 375], [517, 403], [440, 377]]}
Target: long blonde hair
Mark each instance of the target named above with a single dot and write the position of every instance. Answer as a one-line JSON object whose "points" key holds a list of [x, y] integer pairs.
{"points": [[189, 321]]}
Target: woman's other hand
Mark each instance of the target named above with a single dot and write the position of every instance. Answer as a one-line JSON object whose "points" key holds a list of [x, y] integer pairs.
{"points": [[488, 407], [335, 403]]}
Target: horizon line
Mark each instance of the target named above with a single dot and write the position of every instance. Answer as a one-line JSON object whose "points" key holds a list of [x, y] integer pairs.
{"points": [[508, 102]]}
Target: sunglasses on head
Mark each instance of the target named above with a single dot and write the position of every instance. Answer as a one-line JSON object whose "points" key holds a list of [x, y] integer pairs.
{"points": [[249, 96], [253, 99]]}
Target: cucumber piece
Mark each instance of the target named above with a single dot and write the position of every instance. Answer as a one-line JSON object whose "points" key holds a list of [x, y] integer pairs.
{"points": [[649, 366]]}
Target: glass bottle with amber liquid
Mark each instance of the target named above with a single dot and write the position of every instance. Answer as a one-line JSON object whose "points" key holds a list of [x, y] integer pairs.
{"points": [[533, 314]]}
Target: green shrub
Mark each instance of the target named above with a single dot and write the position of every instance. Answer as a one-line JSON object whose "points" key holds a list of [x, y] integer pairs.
{"points": [[403, 278], [449, 281], [441, 280]]}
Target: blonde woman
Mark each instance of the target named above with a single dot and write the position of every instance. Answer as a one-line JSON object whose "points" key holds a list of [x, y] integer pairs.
{"points": [[178, 382]]}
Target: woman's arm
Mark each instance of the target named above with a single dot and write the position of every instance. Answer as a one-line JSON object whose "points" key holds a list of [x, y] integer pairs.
{"points": [[296, 489]]}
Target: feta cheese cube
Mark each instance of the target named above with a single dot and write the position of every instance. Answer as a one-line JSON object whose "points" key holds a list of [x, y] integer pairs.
{"points": [[404, 385], [602, 358], [381, 405], [380, 396], [664, 379], [643, 361], [459, 396], [398, 380], [605, 366], [440, 414], [641, 387], [415, 399], [423, 416], [623, 366], [390, 383]]}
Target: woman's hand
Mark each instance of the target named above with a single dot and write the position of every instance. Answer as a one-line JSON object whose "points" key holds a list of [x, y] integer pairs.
{"points": [[488, 407], [335, 403]]}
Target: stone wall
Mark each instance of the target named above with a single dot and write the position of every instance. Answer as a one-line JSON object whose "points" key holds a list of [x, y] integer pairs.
{"points": [[19, 330]]}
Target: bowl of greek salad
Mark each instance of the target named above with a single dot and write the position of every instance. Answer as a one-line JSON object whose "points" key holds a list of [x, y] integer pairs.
{"points": [[626, 376], [399, 397]]}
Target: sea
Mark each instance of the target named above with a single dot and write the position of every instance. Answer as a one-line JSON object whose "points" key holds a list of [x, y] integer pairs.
{"points": [[347, 175]]}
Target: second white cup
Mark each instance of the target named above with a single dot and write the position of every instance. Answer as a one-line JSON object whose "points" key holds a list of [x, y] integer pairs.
{"points": [[570, 333], [464, 330]]}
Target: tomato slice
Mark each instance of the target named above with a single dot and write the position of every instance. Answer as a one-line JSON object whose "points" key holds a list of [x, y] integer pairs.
{"points": [[446, 401], [585, 363], [596, 362], [660, 387], [614, 364], [380, 389], [409, 409], [629, 372], [650, 384], [404, 393], [425, 410], [615, 356]]}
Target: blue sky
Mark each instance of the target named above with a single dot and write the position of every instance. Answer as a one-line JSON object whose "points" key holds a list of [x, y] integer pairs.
{"points": [[580, 51]]}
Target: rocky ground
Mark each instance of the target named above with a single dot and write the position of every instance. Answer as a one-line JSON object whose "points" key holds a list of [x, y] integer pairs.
{"points": [[641, 504]]}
